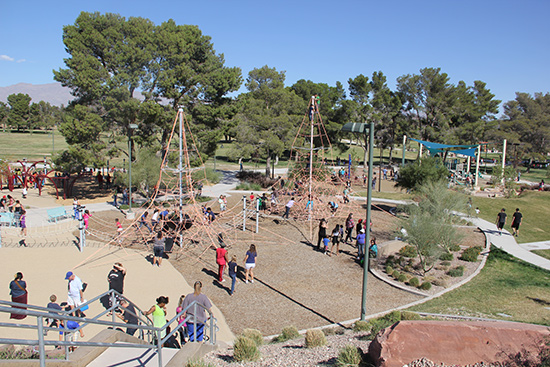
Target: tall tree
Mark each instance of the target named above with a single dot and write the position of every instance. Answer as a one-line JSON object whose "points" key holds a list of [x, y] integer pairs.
{"points": [[19, 110]]}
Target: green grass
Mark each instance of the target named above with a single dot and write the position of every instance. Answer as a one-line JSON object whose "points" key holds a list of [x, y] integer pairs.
{"points": [[505, 286], [543, 253], [535, 207], [36, 145], [535, 175]]}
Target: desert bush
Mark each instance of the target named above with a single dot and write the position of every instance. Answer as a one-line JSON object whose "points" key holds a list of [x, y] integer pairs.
{"points": [[446, 256], [440, 282], [246, 186], [471, 253], [408, 269], [454, 247], [456, 272], [414, 282], [288, 333], [402, 278], [348, 356], [257, 178], [445, 263], [255, 335], [315, 338], [407, 315], [395, 274], [334, 331], [245, 349], [361, 325], [426, 286], [408, 251], [389, 270], [390, 261]]}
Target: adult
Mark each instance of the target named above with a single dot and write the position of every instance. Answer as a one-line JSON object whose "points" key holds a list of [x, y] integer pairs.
{"points": [[75, 295], [336, 234], [221, 259], [516, 221], [76, 211], [195, 325], [129, 316], [116, 278], [288, 206], [501, 220], [250, 263], [19, 294], [17, 211], [159, 314], [350, 224], [158, 249], [323, 225], [155, 218], [143, 221], [361, 238]]}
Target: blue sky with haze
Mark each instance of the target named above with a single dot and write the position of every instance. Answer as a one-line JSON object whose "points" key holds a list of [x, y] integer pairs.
{"points": [[503, 43]]}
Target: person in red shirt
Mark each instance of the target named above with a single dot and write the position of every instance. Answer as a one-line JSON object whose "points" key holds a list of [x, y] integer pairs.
{"points": [[221, 259]]}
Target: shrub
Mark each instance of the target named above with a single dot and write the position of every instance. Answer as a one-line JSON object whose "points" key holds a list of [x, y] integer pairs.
{"points": [[389, 270], [198, 363], [454, 247], [471, 253], [288, 333], [315, 338], [361, 325], [402, 278], [256, 178], [255, 335], [414, 282], [383, 322], [390, 261], [408, 269], [334, 331], [407, 315], [245, 349], [456, 272], [446, 256], [408, 251], [395, 274], [208, 173], [445, 263], [426, 286], [348, 356], [248, 187]]}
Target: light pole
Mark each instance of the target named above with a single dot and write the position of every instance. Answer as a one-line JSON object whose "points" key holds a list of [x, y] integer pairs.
{"points": [[131, 127], [363, 128]]}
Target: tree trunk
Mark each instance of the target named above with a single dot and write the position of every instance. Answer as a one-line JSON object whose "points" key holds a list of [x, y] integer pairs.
{"points": [[267, 163]]}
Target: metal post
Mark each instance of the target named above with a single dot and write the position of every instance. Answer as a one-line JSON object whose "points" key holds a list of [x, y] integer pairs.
{"points": [[244, 213], [81, 229], [503, 160], [311, 161], [477, 165], [404, 143], [159, 348], [367, 231], [129, 170], [257, 215], [113, 301], [42, 352], [180, 172]]}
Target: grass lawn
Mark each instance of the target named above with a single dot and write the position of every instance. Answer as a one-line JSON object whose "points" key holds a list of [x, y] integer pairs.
{"points": [[535, 175], [505, 286], [543, 253], [535, 207], [15, 146]]}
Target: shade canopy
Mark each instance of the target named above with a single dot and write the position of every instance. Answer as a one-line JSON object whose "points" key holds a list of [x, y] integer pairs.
{"points": [[468, 150]]}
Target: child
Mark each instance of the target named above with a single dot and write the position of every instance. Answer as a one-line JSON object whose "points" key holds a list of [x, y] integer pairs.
{"points": [[118, 230], [86, 217], [335, 239], [22, 223], [181, 318], [232, 266], [54, 306], [326, 241]]}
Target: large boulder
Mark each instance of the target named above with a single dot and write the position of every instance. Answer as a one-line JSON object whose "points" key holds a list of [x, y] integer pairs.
{"points": [[453, 342]]}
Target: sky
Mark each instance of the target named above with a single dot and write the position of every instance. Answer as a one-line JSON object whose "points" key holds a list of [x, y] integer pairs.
{"points": [[502, 43]]}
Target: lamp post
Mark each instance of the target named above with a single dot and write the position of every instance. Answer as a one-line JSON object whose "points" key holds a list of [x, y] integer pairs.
{"points": [[363, 128], [131, 127]]}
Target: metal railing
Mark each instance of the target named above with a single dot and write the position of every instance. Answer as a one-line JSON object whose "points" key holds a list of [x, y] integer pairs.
{"points": [[147, 331]]}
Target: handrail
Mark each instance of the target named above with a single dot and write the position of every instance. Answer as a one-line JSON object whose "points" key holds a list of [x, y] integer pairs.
{"points": [[144, 325]]}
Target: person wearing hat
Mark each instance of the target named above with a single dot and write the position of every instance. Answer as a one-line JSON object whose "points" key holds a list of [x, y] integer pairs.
{"points": [[361, 238], [76, 294]]}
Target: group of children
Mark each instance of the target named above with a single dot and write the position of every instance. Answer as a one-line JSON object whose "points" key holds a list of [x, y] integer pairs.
{"points": [[70, 328]]}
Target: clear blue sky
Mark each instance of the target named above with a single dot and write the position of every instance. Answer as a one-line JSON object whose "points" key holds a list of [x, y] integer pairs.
{"points": [[503, 43]]}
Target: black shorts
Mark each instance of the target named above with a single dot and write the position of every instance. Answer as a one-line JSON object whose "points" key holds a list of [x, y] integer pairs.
{"points": [[500, 225], [158, 251], [515, 225]]}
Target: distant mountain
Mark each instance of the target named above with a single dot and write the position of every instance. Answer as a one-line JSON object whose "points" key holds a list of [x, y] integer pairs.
{"points": [[53, 93]]}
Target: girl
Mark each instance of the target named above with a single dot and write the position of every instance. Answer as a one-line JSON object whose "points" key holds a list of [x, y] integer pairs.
{"points": [[22, 223], [232, 266], [86, 217], [159, 313], [335, 240], [250, 263], [118, 230], [181, 318]]}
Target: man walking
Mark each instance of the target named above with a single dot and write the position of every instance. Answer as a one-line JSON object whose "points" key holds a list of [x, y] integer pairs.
{"points": [[501, 220], [287, 208], [516, 221], [76, 293]]}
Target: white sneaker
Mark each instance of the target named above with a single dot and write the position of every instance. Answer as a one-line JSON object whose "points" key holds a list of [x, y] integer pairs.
{"points": [[223, 280], [246, 281], [252, 280]]}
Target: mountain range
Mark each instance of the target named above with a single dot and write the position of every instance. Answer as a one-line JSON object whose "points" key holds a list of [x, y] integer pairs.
{"points": [[54, 93]]}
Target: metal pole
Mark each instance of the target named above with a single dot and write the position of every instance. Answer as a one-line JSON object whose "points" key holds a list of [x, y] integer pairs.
{"points": [[129, 170], [311, 160], [42, 352], [180, 172], [404, 142], [257, 215], [81, 229], [477, 165], [367, 231], [244, 213], [503, 160], [159, 348]]}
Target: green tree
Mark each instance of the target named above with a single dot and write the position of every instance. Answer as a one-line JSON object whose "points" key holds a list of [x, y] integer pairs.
{"points": [[19, 110], [414, 175], [4, 113], [44, 116]]}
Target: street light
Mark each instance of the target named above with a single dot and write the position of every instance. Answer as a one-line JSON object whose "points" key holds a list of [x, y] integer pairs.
{"points": [[131, 127], [363, 128]]}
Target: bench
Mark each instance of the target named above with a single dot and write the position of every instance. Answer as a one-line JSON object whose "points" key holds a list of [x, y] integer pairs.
{"points": [[57, 213], [7, 219]]}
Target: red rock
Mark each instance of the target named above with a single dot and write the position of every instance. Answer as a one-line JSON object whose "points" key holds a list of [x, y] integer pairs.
{"points": [[452, 342]]}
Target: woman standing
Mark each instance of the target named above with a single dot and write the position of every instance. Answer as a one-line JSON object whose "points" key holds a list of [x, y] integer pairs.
{"points": [[197, 313], [323, 225], [158, 249], [221, 259], [250, 263], [159, 314], [336, 234], [18, 292]]}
